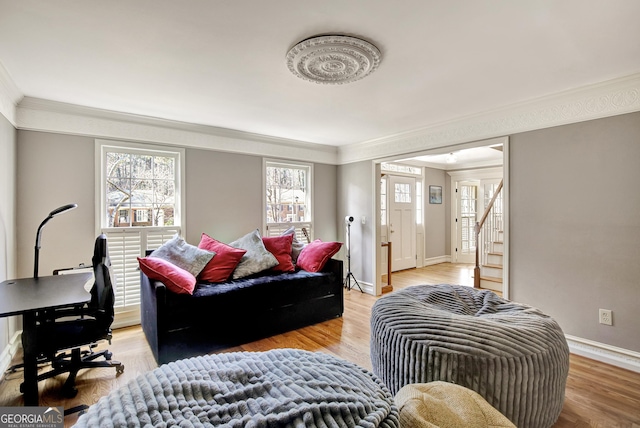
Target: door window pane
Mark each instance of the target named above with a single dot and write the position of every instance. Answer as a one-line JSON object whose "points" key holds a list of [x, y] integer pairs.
{"points": [[402, 193]]}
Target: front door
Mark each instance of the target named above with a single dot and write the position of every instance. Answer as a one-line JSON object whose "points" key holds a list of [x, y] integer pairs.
{"points": [[402, 222]]}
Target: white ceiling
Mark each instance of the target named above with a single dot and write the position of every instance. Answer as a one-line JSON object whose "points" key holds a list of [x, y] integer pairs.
{"points": [[222, 63], [458, 159]]}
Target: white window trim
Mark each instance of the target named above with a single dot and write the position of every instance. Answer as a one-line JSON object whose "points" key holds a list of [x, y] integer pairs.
{"points": [[311, 184], [130, 315]]}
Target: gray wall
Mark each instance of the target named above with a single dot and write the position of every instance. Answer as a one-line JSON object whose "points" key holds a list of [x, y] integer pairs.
{"points": [[325, 208], [574, 229], [224, 196], [55, 170], [356, 198], [8, 139], [223, 190], [435, 220]]}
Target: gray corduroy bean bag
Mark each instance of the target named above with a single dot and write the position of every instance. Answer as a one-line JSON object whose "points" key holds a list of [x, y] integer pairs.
{"points": [[277, 388], [513, 355]]}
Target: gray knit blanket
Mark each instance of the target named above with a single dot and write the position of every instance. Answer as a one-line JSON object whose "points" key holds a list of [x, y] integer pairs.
{"points": [[277, 388]]}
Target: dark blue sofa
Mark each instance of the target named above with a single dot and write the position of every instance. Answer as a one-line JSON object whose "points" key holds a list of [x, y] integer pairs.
{"points": [[219, 316]]}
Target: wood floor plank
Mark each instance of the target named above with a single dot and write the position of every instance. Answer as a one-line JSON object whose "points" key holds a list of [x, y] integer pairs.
{"points": [[597, 394]]}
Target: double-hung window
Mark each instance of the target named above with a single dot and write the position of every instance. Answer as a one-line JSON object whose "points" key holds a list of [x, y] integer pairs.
{"points": [[141, 190], [288, 198]]}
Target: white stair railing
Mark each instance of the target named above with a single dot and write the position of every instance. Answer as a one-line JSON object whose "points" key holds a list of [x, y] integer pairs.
{"points": [[487, 232]]}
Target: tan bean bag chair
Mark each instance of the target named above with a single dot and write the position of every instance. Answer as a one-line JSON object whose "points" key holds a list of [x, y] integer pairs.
{"points": [[446, 405]]}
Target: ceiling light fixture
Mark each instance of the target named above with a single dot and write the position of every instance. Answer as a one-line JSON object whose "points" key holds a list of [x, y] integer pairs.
{"points": [[333, 59], [451, 158]]}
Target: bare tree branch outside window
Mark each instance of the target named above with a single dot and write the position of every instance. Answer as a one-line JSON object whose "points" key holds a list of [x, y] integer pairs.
{"points": [[286, 194], [139, 182]]}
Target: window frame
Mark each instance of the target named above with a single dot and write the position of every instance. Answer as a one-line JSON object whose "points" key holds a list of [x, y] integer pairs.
{"points": [[274, 229], [130, 314]]}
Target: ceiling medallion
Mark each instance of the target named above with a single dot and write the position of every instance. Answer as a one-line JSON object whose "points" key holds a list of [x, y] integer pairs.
{"points": [[333, 60]]}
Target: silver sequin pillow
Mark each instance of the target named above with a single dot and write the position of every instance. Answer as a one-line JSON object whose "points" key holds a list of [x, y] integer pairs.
{"points": [[186, 256], [256, 259]]}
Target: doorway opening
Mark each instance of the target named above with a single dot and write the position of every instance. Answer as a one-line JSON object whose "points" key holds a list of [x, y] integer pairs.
{"points": [[457, 182]]}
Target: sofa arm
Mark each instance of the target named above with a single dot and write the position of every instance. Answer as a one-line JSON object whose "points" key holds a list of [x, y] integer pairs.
{"points": [[335, 266], [153, 310]]}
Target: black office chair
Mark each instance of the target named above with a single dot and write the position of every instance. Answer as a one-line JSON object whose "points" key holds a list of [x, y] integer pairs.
{"points": [[75, 328]]}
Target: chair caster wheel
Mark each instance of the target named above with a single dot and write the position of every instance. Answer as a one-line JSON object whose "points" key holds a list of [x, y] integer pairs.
{"points": [[119, 369], [69, 392], [108, 355]]}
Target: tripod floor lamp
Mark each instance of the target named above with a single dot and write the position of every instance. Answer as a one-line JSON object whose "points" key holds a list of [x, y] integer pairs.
{"points": [[347, 280]]}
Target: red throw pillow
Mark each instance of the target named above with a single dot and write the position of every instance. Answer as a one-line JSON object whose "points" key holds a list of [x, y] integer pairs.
{"points": [[314, 255], [176, 279], [280, 247], [222, 265]]}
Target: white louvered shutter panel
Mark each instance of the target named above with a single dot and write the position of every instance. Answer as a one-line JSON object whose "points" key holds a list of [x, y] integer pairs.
{"points": [[155, 238], [125, 246]]}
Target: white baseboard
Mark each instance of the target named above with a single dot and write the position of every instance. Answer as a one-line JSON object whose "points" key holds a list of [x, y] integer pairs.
{"points": [[437, 260], [604, 353], [10, 351], [366, 287]]}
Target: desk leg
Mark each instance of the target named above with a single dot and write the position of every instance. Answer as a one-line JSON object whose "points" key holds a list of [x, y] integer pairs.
{"points": [[30, 359]]}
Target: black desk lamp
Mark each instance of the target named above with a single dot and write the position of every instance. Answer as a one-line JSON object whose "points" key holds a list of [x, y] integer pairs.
{"points": [[52, 214]]}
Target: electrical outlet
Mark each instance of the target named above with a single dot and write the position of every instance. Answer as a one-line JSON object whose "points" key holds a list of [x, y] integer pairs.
{"points": [[606, 316]]}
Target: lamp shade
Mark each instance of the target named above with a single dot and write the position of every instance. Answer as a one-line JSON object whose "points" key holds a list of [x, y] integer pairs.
{"points": [[62, 209]]}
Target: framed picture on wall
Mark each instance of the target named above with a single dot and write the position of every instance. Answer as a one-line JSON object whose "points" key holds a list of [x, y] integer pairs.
{"points": [[435, 194]]}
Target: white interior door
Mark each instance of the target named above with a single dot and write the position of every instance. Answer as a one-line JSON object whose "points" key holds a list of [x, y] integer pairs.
{"points": [[466, 218], [402, 222]]}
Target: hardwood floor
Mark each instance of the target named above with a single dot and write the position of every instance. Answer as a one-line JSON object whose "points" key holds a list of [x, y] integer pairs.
{"points": [[597, 394]]}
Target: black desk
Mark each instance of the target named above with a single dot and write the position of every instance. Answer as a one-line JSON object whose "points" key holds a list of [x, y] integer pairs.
{"points": [[26, 297]]}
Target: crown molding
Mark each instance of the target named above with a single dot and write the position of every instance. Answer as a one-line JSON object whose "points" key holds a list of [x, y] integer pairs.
{"points": [[51, 116], [614, 97], [10, 96], [611, 98]]}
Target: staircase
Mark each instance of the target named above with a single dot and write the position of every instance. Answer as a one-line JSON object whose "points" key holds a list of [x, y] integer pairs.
{"points": [[488, 272], [491, 269]]}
